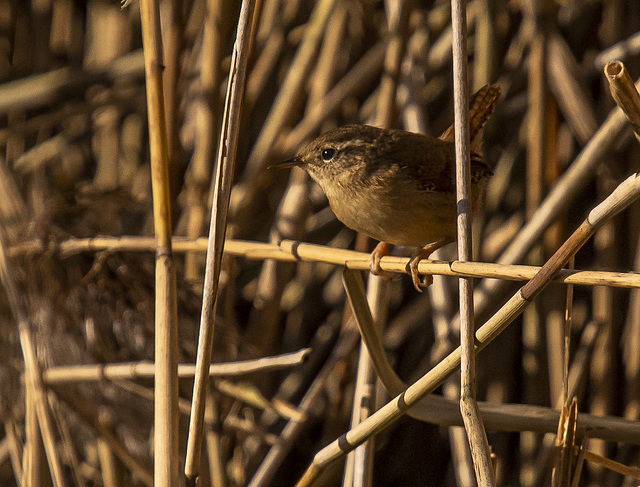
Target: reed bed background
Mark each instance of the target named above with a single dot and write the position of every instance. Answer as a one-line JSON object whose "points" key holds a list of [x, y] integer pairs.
{"points": [[77, 244]]}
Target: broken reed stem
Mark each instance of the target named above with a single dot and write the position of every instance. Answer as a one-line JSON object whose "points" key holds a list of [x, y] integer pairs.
{"points": [[225, 165], [291, 251], [624, 92], [166, 415], [627, 192], [145, 370], [563, 445]]}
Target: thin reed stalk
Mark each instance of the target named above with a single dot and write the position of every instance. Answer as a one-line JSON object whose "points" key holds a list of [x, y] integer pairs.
{"points": [[225, 165], [141, 370], [474, 428], [166, 307]]}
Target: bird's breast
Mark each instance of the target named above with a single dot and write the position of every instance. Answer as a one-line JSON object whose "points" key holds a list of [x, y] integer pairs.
{"points": [[410, 217]]}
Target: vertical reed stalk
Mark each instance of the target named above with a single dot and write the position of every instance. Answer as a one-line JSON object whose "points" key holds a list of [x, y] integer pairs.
{"points": [[468, 405], [166, 318]]}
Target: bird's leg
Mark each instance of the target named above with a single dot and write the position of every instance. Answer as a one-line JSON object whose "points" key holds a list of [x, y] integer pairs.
{"points": [[424, 253], [378, 253]]}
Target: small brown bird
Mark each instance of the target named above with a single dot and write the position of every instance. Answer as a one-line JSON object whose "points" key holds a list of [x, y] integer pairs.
{"points": [[394, 186]]}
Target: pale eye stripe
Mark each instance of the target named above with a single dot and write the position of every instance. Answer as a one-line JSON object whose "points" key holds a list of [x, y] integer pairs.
{"points": [[355, 143]]}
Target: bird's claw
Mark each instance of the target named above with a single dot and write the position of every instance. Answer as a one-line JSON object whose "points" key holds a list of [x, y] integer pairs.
{"points": [[417, 256], [378, 253], [412, 269]]}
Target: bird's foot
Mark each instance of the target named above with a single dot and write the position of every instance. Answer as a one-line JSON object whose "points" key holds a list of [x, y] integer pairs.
{"points": [[423, 253], [378, 253]]}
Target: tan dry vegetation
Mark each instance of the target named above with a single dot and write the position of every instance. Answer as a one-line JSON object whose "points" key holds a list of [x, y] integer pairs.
{"points": [[77, 226]]}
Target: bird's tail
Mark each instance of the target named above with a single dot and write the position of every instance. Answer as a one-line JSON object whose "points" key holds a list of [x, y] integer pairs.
{"points": [[481, 107]]}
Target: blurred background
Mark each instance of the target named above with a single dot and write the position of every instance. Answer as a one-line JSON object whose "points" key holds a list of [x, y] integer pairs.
{"points": [[74, 163]]}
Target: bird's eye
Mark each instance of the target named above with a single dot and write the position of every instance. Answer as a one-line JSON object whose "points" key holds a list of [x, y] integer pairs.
{"points": [[327, 154]]}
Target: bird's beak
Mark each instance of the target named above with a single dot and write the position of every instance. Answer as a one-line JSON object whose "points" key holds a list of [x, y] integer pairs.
{"points": [[296, 161]]}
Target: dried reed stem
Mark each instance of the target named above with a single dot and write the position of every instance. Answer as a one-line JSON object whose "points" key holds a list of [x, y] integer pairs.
{"points": [[563, 80], [47, 88], [426, 409], [525, 417], [173, 44], [291, 251], [33, 456], [359, 465], [564, 445], [397, 20], [476, 434], [485, 44], [622, 50], [225, 166], [538, 114], [632, 472], [624, 92], [627, 192], [200, 171], [141, 370], [354, 286], [166, 414], [568, 318], [15, 450]]}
